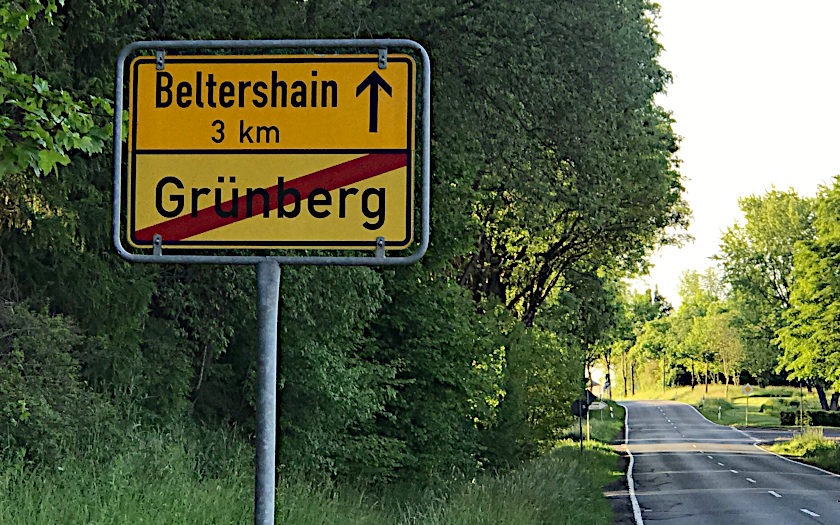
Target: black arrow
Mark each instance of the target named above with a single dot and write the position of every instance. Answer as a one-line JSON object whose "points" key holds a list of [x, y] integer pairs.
{"points": [[374, 81]]}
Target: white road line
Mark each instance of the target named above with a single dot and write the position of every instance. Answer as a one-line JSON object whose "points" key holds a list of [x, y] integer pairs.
{"points": [[719, 463], [774, 493], [733, 471], [808, 512], [751, 480], [631, 485], [756, 445], [710, 457]]}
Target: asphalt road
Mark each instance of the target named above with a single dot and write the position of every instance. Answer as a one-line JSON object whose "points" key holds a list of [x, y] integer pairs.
{"points": [[688, 470]]}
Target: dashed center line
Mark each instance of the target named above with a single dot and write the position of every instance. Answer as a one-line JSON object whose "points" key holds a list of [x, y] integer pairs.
{"points": [[751, 480], [719, 463], [810, 513], [710, 457], [733, 471], [774, 493]]}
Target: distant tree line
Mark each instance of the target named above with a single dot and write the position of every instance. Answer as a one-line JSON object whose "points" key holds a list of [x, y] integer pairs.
{"points": [[767, 312]]}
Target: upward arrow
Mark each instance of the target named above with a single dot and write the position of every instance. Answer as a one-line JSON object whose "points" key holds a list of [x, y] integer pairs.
{"points": [[374, 82]]}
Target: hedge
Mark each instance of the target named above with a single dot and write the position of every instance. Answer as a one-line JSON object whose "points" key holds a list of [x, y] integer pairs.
{"points": [[819, 418]]}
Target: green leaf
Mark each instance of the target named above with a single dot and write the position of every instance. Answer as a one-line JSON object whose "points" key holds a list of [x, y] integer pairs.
{"points": [[48, 159]]}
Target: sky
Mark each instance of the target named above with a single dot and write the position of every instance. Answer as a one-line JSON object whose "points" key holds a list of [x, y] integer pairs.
{"points": [[756, 99]]}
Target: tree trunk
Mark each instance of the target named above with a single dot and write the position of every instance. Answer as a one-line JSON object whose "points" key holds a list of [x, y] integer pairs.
{"points": [[633, 378], [835, 397], [663, 373], [624, 371], [821, 395], [693, 377], [707, 377], [725, 379]]}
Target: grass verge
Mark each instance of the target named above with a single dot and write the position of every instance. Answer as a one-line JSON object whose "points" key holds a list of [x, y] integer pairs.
{"points": [[812, 448], [160, 478]]}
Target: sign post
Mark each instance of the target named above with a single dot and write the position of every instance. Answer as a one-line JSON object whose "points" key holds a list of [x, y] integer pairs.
{"points": [[269, 152], [748, 391], [268, 294]]}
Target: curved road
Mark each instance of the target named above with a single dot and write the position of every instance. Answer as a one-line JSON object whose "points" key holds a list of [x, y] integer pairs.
{"points": [[688, 470]]}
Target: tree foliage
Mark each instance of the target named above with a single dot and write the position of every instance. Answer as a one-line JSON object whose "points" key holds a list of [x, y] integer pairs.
{"points": [[757, 259], [553, 175], [811, 339]]}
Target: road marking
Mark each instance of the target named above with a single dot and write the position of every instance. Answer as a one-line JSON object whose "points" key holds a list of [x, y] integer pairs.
{"points": [[719, 463], [710, 457], [808, 512], [774, 493], [751, 480], [733, 471], [832, 474], [631, 485]]}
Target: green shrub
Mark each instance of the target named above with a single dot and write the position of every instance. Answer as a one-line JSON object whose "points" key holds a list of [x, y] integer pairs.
{"points": [[788, 418], [824, 418], [45, 407], [777, 393]]}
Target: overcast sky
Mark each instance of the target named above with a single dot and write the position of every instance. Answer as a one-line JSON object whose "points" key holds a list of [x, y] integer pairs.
{"points": [[756, 99]]}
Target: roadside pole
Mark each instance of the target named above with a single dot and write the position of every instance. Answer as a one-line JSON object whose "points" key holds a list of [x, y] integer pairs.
{"points": [[748, 391], [268, 293], [747, 413]]}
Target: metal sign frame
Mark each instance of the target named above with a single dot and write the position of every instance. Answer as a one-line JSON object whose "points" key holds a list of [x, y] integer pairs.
{"points": [[379, 257]]}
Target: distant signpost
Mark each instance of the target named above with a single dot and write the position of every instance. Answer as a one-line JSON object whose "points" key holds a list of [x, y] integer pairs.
{"points": [[748, 390]]}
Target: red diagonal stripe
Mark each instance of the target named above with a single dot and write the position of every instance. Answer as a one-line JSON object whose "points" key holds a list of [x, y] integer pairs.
{"points": [[331, 178]]}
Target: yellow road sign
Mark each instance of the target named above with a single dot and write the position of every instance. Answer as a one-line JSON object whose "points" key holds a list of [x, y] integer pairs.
{"points": [[309, 151]]}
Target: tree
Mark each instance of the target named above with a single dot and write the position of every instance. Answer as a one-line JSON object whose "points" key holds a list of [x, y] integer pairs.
{"points": [[810, 339], [715, 338], [40, 126], [757, 260], [634, 311]]}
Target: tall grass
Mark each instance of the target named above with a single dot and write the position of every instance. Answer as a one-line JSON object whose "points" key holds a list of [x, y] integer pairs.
{"points": [[811, 447], [163, 478], [563, 487]]}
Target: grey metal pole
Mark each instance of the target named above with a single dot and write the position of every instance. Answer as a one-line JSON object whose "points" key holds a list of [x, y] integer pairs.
{"points": [[268, 292]]}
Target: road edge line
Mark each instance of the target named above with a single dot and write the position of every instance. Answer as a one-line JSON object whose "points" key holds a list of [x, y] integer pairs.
{"points": [[736, 429], [756, 444], [631, 485]]}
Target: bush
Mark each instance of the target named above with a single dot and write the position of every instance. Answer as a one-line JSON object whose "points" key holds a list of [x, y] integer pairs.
{"points": [[824, 418], [769, 406], [788, 418], [46, 409], [777, 393], [820, 418]]}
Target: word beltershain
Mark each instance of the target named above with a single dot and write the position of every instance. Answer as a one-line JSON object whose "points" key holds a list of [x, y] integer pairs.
{"points": [[206, 90]]}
